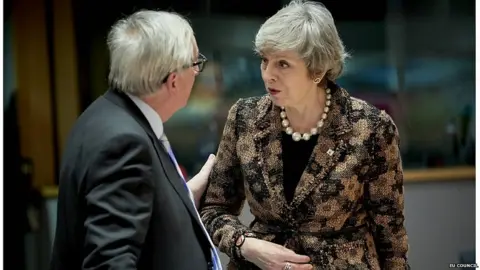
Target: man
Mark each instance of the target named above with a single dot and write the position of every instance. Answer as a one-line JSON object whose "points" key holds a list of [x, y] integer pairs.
{"points": [[122, 202]]}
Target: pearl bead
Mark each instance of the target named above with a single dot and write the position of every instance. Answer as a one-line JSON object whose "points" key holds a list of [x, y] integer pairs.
{"points": [[296, 136]]}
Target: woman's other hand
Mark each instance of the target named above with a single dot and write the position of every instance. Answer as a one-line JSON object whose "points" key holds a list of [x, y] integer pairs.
{"points": [[270, 256], [199, 182]]}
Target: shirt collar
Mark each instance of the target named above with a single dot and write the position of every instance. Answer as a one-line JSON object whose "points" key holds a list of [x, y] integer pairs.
{"points": [[152, 116]]}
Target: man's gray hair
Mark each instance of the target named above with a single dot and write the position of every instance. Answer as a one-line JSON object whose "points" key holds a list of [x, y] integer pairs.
{"points": [[307, 28], [145, 47]]}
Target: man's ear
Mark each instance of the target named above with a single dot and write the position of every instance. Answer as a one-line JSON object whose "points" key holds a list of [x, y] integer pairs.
{"points": [[172, 81]]}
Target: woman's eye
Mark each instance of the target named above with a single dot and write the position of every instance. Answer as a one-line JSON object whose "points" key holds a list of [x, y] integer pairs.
{"points": [[283, 64]]}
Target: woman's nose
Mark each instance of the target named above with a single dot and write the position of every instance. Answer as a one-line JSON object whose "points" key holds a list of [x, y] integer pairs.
{"points": [[268, 73]]}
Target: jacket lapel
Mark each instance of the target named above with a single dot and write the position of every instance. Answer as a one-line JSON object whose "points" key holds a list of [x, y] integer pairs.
{"points": [[330, 147], [174, 178], [268, 147]]}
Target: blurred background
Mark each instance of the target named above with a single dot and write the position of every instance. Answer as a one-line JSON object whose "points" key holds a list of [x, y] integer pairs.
{"points": [[413, 58]]}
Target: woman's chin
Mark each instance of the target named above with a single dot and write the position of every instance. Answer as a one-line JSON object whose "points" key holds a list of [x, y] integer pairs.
{"points": [[277, 101]]}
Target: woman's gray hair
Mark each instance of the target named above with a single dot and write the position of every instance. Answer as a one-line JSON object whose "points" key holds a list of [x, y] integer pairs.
{"points": [[145, 47], [307, 28]]}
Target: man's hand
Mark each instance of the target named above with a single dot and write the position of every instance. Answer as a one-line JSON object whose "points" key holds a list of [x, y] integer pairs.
{"points": [[199, 182]]}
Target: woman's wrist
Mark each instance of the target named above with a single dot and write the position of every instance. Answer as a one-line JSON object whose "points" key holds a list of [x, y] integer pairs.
{"points": [[241, 245], [245, 248]]}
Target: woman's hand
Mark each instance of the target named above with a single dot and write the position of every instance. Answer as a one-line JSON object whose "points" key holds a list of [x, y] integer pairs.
{"points": [[199, 182], [270, 256]]}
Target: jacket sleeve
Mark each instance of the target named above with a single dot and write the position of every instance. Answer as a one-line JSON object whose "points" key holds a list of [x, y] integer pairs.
{"points": [[225, 195], [385, 197], [119, 199]]}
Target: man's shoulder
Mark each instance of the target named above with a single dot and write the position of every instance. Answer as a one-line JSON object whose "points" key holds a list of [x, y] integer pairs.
{"points": [[103, 122], [103, 112], [103, 106]]}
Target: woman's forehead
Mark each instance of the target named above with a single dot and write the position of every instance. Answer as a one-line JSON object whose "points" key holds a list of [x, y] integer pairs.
{"points": [[288, 55]]}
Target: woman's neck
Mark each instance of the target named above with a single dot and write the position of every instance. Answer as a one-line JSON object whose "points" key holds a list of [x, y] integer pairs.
{"points": [[306, 115]]}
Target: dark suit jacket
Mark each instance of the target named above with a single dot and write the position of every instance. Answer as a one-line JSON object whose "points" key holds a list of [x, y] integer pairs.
{"points": [[347, 212], [121, 203]]}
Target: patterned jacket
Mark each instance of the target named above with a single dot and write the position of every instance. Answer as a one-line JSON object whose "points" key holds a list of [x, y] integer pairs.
{"points": [[348, 208]]}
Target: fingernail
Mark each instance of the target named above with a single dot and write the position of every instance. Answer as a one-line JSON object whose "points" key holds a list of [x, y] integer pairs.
{"points": [[211, 156]]}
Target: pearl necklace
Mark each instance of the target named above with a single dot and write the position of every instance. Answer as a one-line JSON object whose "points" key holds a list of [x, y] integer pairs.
{"points": [[297, 136]]}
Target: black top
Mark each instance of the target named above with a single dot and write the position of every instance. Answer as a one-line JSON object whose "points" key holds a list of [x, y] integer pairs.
{"points": [[295, 157]]}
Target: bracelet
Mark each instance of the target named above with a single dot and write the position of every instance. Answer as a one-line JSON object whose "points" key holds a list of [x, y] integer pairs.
{"points": [[239, 243], [241, 238]]}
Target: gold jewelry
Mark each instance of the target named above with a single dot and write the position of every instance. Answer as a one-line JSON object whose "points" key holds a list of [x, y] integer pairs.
{"points": [[317, 80], [297, 136]]}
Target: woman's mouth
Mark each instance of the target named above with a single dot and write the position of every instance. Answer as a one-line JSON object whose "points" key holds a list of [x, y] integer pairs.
{"points": [[273, 91]]}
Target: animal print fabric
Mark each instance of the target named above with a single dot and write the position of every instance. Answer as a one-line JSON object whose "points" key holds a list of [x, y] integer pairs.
{"points": [[348, 208]]}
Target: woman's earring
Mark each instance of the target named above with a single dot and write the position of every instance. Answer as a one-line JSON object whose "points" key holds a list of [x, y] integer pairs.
{"points": [[317, 80]]}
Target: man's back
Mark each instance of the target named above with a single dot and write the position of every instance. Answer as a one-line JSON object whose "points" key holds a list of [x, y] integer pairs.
{"points": [[121, 203]]}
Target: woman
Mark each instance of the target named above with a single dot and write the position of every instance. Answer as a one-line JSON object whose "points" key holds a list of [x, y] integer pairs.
{"points": [[321, 170]]}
